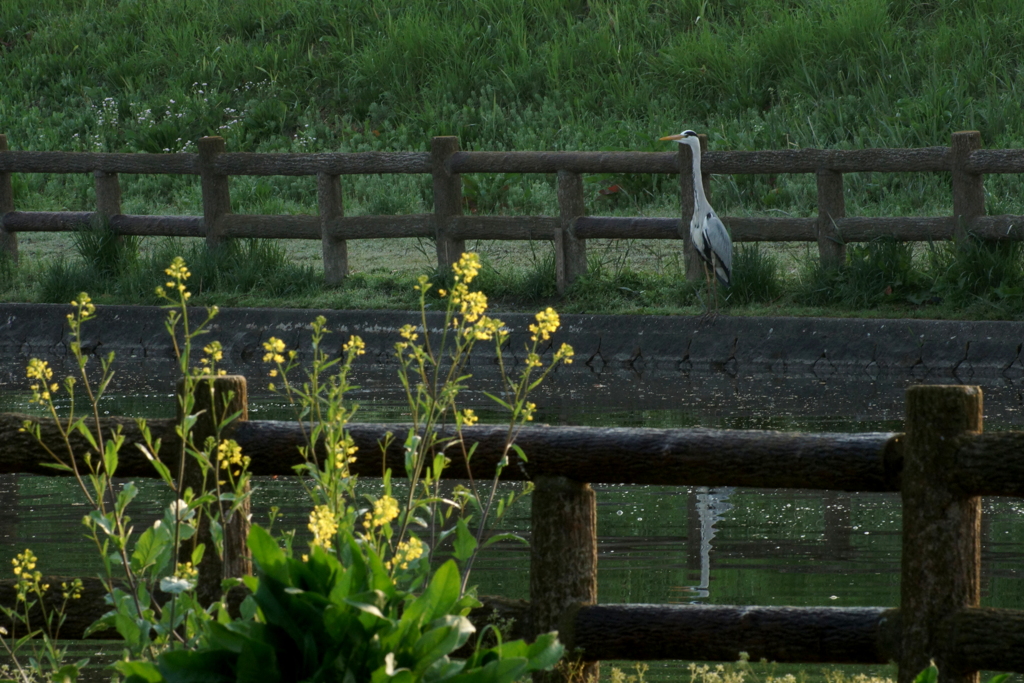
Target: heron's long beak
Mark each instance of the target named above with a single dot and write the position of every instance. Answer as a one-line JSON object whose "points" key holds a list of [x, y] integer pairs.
{"points": [[671, 137]]}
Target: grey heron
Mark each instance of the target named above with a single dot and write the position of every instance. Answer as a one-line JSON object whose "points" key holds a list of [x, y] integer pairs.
{"points": [[707, 232]]}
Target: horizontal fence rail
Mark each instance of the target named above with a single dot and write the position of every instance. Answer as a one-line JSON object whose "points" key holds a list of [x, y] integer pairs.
{"points": [[940, 465], [831, 228]]}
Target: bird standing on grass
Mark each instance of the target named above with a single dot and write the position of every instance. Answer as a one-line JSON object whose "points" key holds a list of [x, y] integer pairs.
{"points": [[707, 232]]}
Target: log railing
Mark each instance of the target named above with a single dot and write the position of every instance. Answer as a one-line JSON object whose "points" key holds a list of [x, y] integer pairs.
{"points": [[941, 465], [831, 228]]}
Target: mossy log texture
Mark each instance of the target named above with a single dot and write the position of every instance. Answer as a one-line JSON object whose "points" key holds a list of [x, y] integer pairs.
{"points": [[838, 635], [563, 557], [941, 556], [707, 457]]}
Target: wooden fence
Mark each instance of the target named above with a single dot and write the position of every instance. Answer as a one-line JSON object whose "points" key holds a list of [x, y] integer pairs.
{"points": [[941, 465], [569, 231]]}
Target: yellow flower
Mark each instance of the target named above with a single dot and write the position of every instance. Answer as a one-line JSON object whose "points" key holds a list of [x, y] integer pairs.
{"points": [[533, 361], [564, 354], [355, 345], [185, 570], [409, 332], [230, 453], [547, 323], [528, 411], [74, 591], [274, 347], [38, 369], [467, 267], [473, 305], [323, 525], [406, 552], [469, 417], [344, 454], [84, 303], [385, 509], [214, 350], [178, 271]]}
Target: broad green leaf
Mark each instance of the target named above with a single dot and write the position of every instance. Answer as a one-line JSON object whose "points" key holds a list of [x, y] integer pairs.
{"points": [[187, 666], [258, 662], [441, 641], [545, 651], [110, 457], [520, 452], [929, 675], [152, 551], [465, 543], [139, 672], [266, 554]]}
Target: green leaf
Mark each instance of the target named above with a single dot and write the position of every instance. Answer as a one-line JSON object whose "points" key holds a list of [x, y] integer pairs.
{"points": [[999, 678], [258, 662], [929, 675], [56, 466], [465, 543], [186, 666], [267, 554], [497, 538], [152, 551], [65, 674], [545, 651], [452, 634], [139, 672], [520, 452], [110, 458], [443, 591]]}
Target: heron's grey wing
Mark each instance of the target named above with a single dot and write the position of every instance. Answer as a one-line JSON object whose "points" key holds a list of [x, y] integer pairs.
{"points": [[718, 238]]}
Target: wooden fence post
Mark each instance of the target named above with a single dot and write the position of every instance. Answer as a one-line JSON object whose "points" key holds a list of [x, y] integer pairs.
{"points": [[216, 398], [563, 557], [8, 240], [216, 196], [570, 252], [941, 562], [968, 188], [447, 200], [694, 267], [331, 206], [831, 205]]}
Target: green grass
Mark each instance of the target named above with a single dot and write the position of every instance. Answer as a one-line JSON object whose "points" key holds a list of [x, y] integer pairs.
{"points": [[304, 75]]}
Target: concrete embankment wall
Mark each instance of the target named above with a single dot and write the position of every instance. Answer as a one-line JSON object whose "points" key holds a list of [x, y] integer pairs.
{"points": [[821, 346]]}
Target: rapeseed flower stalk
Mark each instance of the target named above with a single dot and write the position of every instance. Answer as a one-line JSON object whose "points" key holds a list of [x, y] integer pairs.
{"points": [[324, 525]]}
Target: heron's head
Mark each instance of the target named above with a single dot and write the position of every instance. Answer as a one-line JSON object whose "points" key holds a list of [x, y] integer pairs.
{"points": [[687, 137]]}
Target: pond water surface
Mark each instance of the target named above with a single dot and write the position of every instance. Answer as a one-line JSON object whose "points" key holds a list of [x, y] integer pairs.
{"points": [[685, 545]]}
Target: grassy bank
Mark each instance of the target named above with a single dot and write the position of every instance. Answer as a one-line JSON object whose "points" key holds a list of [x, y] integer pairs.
{"points": [[305, 75]]}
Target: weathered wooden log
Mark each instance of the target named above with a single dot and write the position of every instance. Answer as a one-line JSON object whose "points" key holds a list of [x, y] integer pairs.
{"points": [[8, 240], [372, 227], [986, 639], [331, 163], [738, 162], [503, 227], [46, 221], [968, 188], [447, 201], [87, 162], [331, 205], [563, 558], [839, 635], [900, 228], [998, 228], [570, 246], [269, 227], [158, 226], [624, 227], [700, 457], [215, 188], [995, 161], [989, 465], [941, 555], [831, 208]]}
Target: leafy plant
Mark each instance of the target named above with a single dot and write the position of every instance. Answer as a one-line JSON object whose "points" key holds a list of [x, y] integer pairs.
{"points": [[341, 618], [755, 276]]}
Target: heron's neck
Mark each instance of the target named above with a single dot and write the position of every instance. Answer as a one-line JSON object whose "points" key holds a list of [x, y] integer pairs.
{"points": [[700, 201]]}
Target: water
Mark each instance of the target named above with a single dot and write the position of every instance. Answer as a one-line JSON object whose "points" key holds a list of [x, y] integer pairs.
{"points": [[681, 545]]}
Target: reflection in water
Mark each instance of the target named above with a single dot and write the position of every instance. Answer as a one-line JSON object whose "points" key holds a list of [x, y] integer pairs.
{"points": [[712, 504]]}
